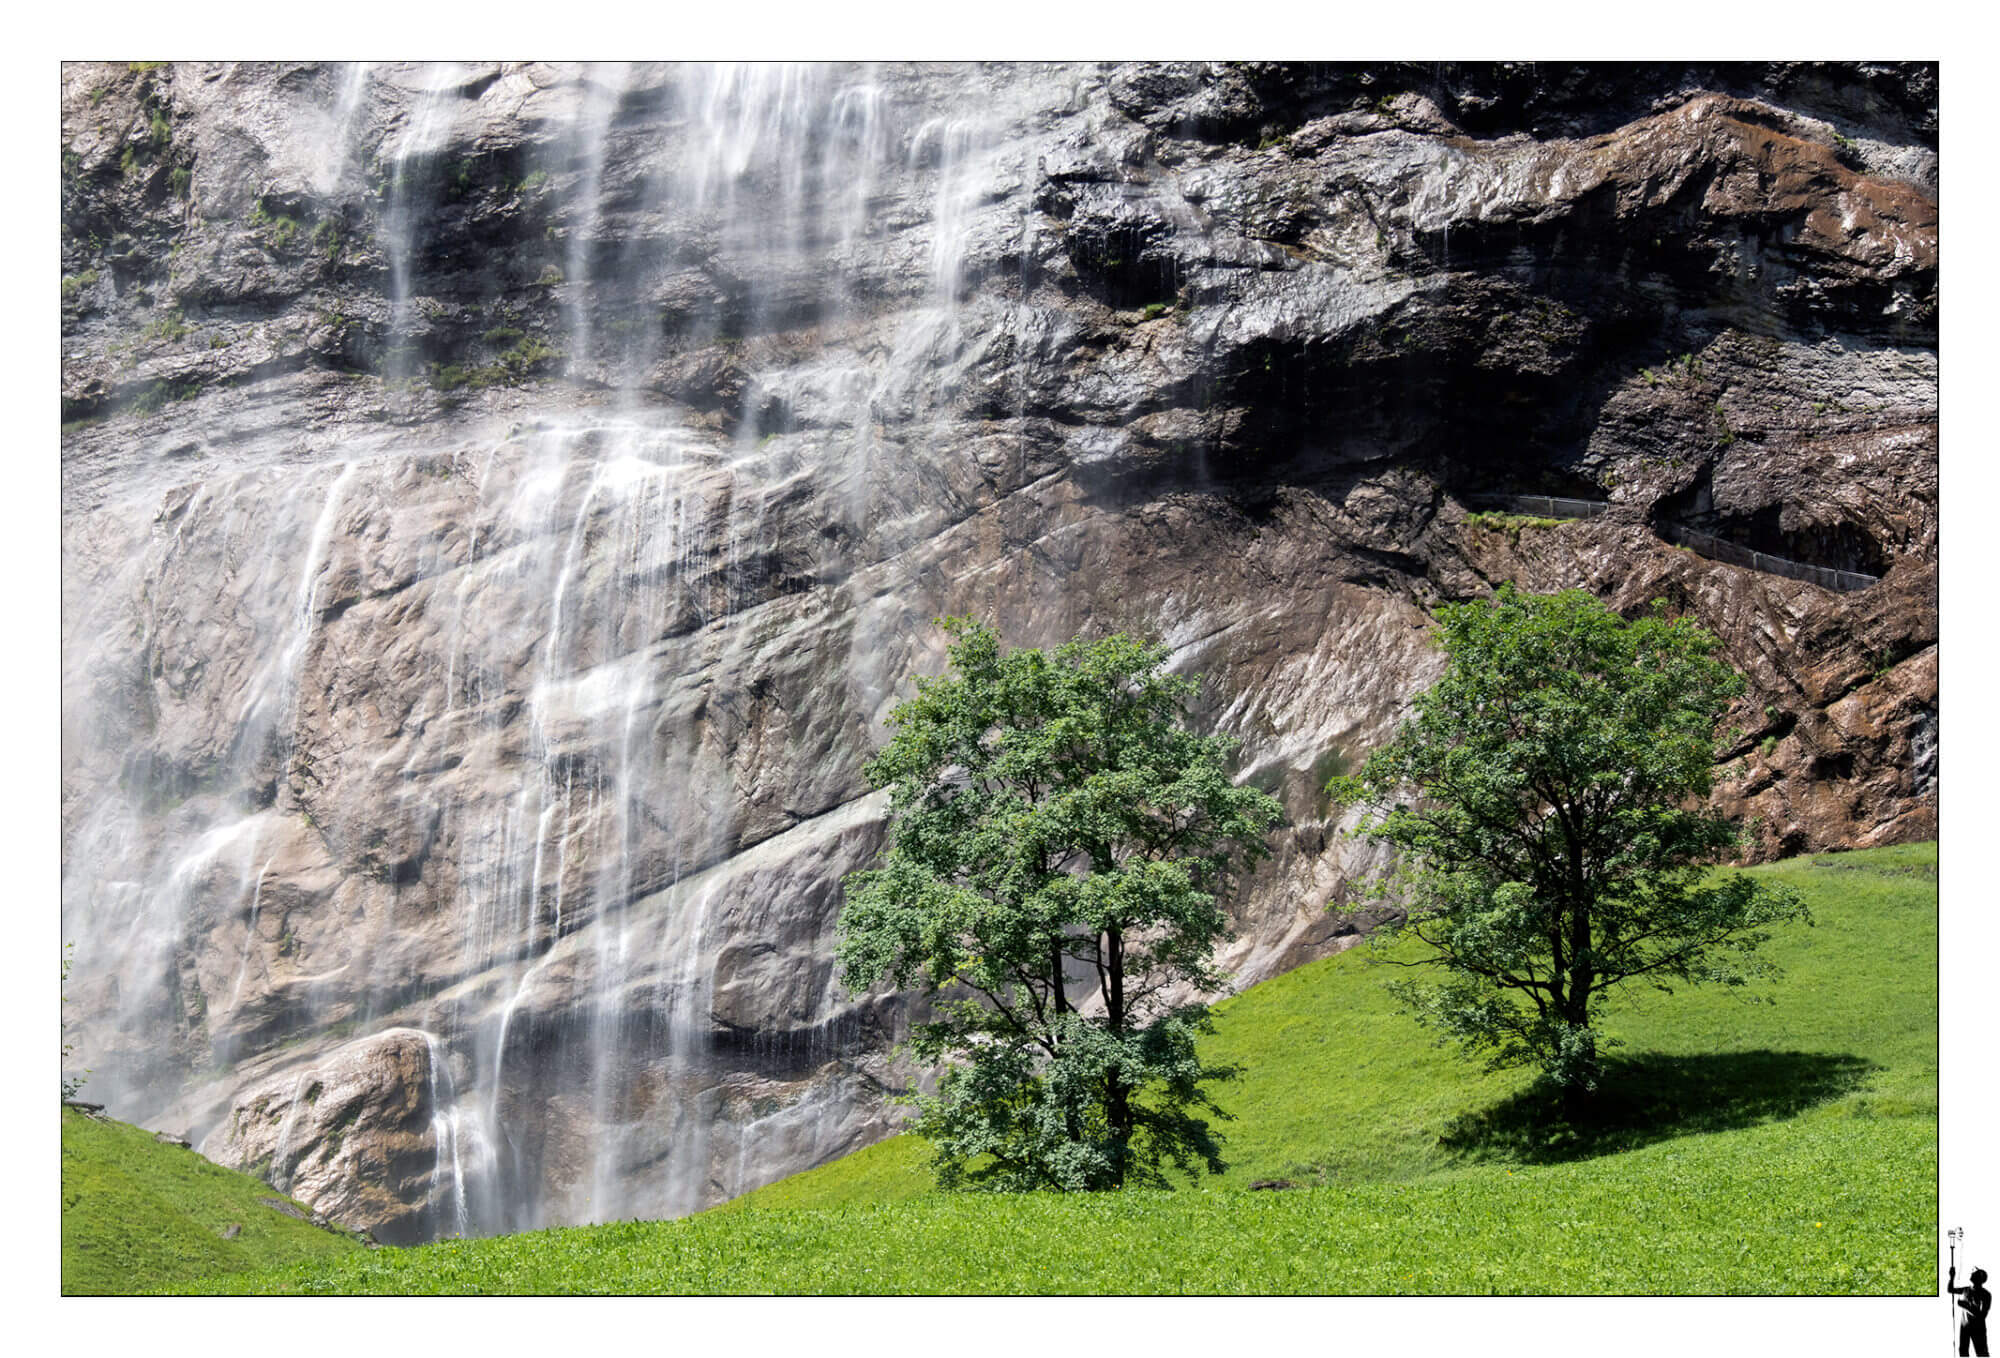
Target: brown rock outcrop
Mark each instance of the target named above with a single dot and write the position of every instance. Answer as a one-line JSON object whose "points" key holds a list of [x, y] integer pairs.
{"points": [[353, 1133]]}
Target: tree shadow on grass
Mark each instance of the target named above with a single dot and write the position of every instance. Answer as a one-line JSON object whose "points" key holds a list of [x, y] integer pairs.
{"points": [[1648, 1098]]}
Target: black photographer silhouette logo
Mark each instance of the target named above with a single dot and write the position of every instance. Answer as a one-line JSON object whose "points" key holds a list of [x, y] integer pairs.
{"points": [[1969, 1303]]}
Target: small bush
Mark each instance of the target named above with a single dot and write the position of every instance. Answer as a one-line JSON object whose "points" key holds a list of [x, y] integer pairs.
{"points": [[168, 328], [528, 355], [276, 229], [328, 238], [531, 352]]}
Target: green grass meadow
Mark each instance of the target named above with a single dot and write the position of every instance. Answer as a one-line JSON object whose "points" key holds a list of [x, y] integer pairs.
{"points": [[139, 1215], [1777, 1141]]}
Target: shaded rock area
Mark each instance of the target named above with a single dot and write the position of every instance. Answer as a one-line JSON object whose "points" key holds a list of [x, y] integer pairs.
{"points": [[501, 502]]}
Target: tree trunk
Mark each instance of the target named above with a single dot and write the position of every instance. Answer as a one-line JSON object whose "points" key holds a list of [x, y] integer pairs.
{"points": [[1580, 1072], [1117, 1094], [1577, 1102], [1579, 1086], [1059, 1005]]}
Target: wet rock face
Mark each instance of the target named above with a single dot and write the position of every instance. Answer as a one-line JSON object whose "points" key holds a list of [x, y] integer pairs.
{"points": [[352, 1133], [502, 502]]}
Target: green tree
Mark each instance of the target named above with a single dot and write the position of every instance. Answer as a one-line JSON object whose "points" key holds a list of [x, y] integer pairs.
{"points": [[1558, 844], [1055, 825]]}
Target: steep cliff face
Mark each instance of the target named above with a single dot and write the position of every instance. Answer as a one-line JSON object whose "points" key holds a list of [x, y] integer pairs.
{"points": [[501, 503]]}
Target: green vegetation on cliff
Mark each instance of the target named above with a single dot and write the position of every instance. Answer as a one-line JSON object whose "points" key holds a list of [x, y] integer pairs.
{"points": [[1788, 1147], [140, 1215]]}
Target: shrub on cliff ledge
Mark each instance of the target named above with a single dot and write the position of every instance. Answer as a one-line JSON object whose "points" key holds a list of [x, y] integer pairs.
{"points": [[1557, 844], [1055, 825]]}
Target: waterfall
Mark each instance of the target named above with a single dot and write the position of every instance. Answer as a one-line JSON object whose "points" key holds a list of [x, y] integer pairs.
{"points": [[269, 699], [448, 1172], [492, 677], [411, 165], [139, 885], [337, 146], [283, 1165], [590, 135]]}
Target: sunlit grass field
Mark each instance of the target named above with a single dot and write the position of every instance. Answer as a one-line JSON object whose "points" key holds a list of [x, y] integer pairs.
{"points": [[1781, 1146], [139, 1215]]}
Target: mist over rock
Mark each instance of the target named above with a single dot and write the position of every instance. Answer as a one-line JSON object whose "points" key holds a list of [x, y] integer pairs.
{"points": [[501, 503]]}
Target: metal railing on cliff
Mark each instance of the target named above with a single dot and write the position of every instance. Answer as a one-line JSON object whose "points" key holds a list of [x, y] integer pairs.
{"points": [[1703, 544], [1544, 506]]}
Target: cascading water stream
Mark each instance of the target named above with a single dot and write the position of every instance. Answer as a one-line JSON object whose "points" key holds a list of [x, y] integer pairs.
{"points": [[411, 164], [568, 814], [603, 87], [448, 1176], [140, 896], [284, 1165], [272, 695], [338, 147]]}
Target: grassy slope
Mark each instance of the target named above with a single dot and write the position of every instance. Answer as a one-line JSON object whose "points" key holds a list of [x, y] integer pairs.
{"points": [[1839, 1207], [139, 1215], [1779, 1147], [1338, 1087]]}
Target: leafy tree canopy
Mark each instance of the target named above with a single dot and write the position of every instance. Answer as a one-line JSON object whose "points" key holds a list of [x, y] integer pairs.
{"points": [[1557, 844], [1059, 850]]}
